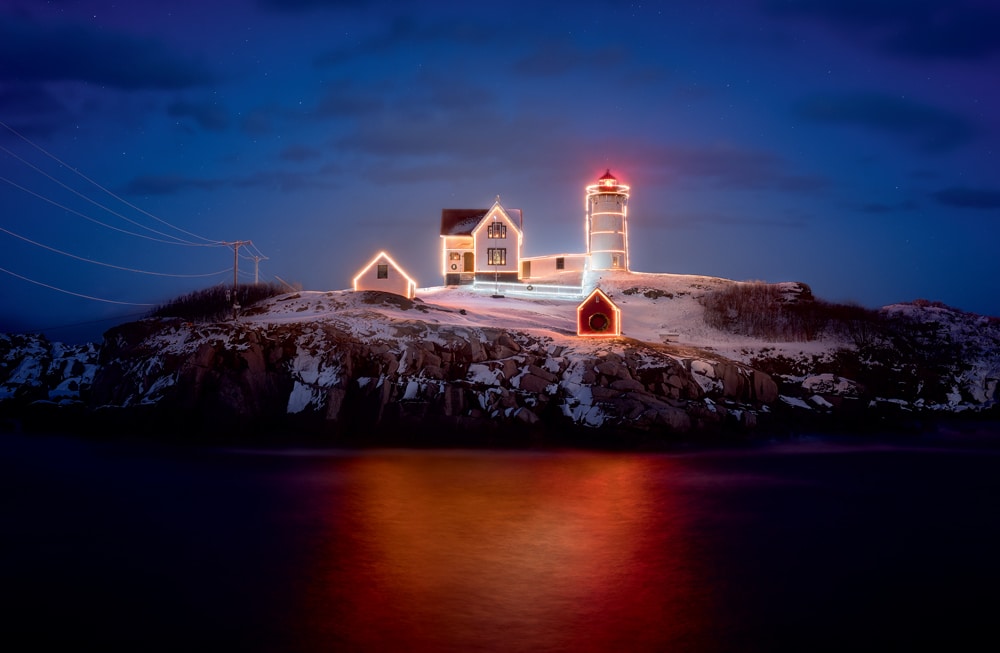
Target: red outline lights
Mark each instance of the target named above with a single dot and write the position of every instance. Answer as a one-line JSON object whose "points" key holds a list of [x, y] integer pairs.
{"points": [[598, 317]]}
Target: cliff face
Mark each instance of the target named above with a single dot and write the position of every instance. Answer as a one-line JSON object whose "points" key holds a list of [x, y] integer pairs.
{"points": [[422, 378], [32, 369], [367, 367]]}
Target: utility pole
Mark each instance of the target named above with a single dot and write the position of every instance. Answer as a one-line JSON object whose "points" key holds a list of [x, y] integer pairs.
{"points": [[256, 267], [236, 244]]}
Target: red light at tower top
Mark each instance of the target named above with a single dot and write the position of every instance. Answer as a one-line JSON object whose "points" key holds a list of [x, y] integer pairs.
{"points": [[607, 180]]}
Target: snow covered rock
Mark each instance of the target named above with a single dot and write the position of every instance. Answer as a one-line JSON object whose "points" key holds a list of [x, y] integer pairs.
{"points": [[356, 363], [34, 369]]}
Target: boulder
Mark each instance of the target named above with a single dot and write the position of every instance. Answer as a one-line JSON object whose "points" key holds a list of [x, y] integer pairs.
{"points": [[765, 390], [533, 383], [627, 385]]}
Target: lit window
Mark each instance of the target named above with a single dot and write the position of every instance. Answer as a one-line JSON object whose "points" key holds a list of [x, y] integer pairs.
{"points": [[496, 230], [496, 255], [383, 271], [454, 256]]}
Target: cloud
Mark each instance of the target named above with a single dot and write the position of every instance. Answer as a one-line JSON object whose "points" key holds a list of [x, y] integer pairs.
{"points": [[17, 99], [299, 153], [406, 32], [931, 129], [883, 208], [168, 184], [261, 120], [697, 219], [309, 5], [209, 116], [554, 58], [439, 116], [472, 137], [735, 168], [31, 109], [345, 99], [969, 33], [968, 198], [957, 29], [443, 129], [30, 52]]}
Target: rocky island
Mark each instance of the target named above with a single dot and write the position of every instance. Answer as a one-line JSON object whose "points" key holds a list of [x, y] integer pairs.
{"points": [[698, 357]]}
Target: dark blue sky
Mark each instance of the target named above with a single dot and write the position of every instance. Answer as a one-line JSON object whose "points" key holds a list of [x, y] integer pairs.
{"points": [[849, 144]]}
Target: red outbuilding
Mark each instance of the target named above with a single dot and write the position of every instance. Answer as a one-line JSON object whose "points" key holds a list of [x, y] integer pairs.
{"points": [[598, 316]]}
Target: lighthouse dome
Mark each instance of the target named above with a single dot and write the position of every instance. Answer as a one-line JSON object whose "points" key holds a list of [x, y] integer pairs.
{"points": [[607, 180]]}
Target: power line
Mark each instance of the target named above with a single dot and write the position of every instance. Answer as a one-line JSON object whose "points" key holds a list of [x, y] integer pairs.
{"points": [[103, 224], [70, 292], [287, 285], [255, 254], [109, 265], [180, 241], [256, 249], [120, 199], [176, 240]]}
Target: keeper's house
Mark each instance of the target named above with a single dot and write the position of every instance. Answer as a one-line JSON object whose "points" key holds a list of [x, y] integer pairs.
{"points": [[483, 244]]}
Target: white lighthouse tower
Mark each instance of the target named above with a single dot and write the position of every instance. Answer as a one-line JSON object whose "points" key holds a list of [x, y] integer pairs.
{"points": [[607, 224]]}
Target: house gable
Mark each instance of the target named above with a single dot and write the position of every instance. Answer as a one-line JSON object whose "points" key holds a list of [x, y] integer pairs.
{"points": [[497, 213], [384, 274], [497, 242]]}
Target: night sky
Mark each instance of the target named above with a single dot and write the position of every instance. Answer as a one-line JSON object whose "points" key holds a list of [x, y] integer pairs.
{"points": [[849, 144]]}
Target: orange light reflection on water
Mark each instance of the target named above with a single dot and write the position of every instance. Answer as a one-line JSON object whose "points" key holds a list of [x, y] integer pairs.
{"points": [[482, 552]]}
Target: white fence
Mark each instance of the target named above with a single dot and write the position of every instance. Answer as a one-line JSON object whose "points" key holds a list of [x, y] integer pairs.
{"points": [[529, 290]]}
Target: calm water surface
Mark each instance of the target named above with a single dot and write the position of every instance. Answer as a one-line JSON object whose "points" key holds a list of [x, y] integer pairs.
{"points": [[795, 546]]}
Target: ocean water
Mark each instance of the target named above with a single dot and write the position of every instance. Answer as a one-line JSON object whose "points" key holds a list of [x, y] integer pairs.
{"points": [[811, 544]]}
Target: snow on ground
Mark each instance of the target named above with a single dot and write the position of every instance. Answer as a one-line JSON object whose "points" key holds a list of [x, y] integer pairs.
{"points": [[658, 308]]}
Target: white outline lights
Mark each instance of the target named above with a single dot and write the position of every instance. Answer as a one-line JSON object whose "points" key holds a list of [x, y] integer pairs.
{"points": [[411, 285], [613, 225]]}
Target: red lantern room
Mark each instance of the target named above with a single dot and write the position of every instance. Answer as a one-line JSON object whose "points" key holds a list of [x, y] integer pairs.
{"points": [[598, 316]]}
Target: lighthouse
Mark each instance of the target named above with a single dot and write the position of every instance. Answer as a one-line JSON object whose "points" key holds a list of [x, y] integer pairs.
{"points": [[607, 224]]}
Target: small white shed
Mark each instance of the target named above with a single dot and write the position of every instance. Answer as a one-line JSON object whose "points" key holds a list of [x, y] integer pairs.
{"points": [[383, 273]]}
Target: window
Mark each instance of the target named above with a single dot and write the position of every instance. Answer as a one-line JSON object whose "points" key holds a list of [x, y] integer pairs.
{"points": [[599, 322], [496, 255], [496, 230], [454, 256], [383, 271], [560, 263]]}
